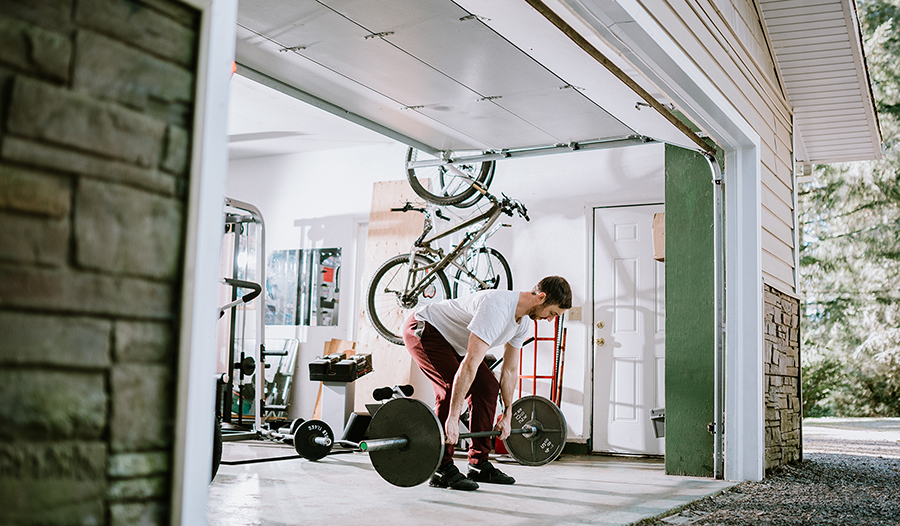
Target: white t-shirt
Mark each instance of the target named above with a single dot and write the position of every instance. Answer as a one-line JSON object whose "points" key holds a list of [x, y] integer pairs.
{"points": [[488, 314]]}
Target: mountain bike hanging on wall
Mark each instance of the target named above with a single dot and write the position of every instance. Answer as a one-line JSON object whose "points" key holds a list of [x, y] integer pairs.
{"points": [[418, 278]]}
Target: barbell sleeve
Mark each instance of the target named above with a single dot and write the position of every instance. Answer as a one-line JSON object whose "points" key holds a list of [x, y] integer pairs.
{"points": [[380, 444], [322, 441]]}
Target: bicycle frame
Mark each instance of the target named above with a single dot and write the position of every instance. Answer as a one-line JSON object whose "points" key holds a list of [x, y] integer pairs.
{"points": [[423, 246]]}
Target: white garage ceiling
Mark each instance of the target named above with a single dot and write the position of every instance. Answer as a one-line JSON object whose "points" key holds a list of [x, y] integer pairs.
{"points": [[435, 74]]}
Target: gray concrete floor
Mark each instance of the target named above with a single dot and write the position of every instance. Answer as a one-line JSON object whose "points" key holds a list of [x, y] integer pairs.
{"points": [[344, 490]]}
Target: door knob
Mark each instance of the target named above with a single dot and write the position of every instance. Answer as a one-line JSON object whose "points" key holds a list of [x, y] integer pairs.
{"points": [[600, 341], [599, 324]]}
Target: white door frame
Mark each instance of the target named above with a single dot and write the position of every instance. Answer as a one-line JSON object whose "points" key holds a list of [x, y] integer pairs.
{"points": [[633, 32], [195, 384], [591, 212]]}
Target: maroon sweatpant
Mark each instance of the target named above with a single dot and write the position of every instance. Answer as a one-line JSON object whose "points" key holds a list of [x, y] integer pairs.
{"points": [[439, 362]]}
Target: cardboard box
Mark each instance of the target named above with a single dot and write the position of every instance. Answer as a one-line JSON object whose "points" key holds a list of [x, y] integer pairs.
{"points": [[659, 236]]}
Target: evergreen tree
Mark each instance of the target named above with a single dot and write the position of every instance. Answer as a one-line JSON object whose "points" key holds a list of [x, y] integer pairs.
{"points": [[850, 254]]}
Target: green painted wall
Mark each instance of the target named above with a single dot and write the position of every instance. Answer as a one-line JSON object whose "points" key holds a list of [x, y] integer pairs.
{"points": [[690, 329]]}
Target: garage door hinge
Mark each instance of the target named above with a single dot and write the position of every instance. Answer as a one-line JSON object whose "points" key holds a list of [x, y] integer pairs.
{"points": [[379, 35]]}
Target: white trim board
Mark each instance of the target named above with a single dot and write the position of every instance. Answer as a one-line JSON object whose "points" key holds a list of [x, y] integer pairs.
{"points": [[195, 387]]}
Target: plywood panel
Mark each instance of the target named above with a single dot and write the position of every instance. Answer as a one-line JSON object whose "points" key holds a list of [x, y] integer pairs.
{"points": [[390, 233]]}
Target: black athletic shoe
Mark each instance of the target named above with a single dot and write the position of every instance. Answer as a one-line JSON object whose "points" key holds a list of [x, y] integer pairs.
{"points": [[450, 477], [485, 472]]}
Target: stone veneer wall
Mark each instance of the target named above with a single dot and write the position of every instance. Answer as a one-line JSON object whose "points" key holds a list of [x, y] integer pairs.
{"points": [[96, 102], [782, 369]]}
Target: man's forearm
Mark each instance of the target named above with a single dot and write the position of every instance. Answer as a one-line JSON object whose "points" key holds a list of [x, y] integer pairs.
{"points": [[462, 381], [465, 375], [509, 375], [507, 389]]}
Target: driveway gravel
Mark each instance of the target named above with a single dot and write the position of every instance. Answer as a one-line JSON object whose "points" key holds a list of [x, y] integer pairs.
{"points": [[849, 476]]}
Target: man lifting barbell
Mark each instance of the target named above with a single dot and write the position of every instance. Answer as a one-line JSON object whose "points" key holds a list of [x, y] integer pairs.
{"points": [[449, 340]]}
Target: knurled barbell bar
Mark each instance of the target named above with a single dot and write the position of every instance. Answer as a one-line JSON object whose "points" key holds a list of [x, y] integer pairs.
{"points": [[381, 444]]}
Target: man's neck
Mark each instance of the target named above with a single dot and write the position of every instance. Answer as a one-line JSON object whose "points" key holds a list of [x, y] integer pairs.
{"points": [[527, 300]]}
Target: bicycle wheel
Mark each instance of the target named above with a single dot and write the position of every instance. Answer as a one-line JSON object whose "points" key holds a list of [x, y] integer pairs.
{"points": [[488, 265], [384, 306], [448, 189], [476, 196]]}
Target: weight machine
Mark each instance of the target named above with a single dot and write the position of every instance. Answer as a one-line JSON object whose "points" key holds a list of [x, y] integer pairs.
{"points": [[241, 404]]}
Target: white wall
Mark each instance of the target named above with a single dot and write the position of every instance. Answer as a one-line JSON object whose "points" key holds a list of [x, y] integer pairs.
{"points": [[316, 200]]}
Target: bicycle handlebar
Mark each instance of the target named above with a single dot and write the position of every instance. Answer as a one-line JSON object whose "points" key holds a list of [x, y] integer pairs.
{"points": [[408, 207], [511, 205]]}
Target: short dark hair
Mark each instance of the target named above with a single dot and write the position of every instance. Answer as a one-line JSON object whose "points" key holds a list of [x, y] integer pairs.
{"points": [[558, 291]]}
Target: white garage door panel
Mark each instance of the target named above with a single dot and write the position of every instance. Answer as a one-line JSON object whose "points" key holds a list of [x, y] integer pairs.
{"points": [[341, 45], [434, 74], [488, 123], [319, 81], [433, 32], [566, 114], [277, 16]]}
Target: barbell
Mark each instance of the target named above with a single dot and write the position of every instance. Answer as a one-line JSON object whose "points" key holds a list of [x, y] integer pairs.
{"points": [[405, 439]]}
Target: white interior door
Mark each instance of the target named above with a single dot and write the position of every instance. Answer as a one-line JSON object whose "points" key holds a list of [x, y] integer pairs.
{"points": [[629, 331]]}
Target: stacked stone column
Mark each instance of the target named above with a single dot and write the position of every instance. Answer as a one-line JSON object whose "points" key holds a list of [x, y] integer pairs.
{"points": [[96, 117], [782, 369]]}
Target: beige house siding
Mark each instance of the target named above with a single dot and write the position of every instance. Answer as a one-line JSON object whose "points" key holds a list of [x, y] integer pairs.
{"points": [[726, 41]]}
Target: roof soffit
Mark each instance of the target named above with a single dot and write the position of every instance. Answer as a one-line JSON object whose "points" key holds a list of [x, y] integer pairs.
{"points": [[819, 54]]}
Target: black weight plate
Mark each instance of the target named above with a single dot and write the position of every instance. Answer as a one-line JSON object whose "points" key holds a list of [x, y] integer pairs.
{"points": [[413, 420], [305, 435], [548, 442], [296, 423]]}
